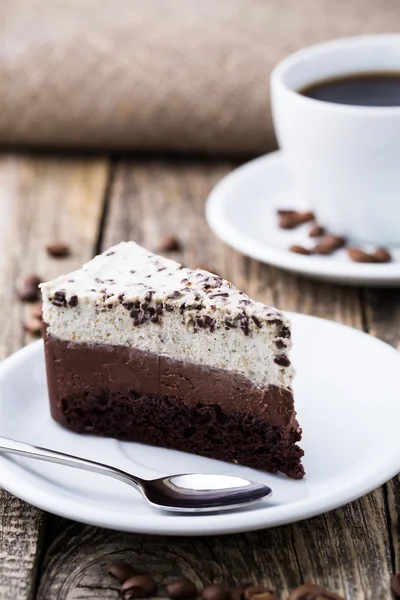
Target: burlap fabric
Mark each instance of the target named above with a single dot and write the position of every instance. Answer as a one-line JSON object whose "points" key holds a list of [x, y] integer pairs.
{"points": [[158, 74]]}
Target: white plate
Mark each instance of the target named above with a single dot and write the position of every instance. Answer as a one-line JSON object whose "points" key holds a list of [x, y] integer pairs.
{"points": [[241, 210], [347, 401]]}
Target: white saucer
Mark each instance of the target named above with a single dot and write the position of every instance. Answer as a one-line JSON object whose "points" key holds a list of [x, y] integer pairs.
{"points": [[347, 402], [241, 210]]}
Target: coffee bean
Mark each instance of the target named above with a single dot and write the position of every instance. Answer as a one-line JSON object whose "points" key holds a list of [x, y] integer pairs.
{"points": [[323, 249], [28, 288], [122, 571], [316, 230], [33, 326], [395, 585], [259, 592], [358, 255], [299, 250], [215, 591], [181, 588], [170, 243], [289, 219], [309, 591], [381, 255], [138, 586], [58, 249], [335, 241], [329, 243]]}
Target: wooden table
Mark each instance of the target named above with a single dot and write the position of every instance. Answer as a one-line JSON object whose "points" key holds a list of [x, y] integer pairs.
{"points": [[96, 202]]}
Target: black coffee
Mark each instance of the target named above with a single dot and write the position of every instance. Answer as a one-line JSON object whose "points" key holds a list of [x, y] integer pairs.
{"points": [[359, 89]]}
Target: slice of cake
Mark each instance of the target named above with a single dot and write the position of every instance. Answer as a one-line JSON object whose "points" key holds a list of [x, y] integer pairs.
{"points": [[139, 348]]}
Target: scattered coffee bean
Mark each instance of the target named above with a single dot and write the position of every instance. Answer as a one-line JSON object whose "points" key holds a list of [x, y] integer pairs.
{"points": [[170, 243], [288, 222], [309, 591], [329, 243], [289, 219], [323, 249], [58, 249], [28, 288], [138, 586], [381, 255], [299, 250], [316, 230], [259, 592], [122, 571], [215, 591], [358, 255], [395, 585], [181, 588], [33, 326], [336, 241]]}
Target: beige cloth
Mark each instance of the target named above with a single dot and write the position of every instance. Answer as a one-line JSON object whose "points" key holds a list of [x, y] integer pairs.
{"points": [[158, 74]]}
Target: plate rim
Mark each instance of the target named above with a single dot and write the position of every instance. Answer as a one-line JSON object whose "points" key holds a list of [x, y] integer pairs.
{"points": [[204, 524], [324, 268]]}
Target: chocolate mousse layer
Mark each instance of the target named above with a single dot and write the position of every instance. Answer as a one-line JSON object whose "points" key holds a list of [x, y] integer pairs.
{"points": [[138, 396]]}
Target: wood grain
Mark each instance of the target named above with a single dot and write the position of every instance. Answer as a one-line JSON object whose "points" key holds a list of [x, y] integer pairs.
{"points": [[382, 314], [41, 200], [347, 550]]}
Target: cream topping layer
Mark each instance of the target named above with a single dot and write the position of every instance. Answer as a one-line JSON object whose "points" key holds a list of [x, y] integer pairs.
{"points": [[131, 297]]}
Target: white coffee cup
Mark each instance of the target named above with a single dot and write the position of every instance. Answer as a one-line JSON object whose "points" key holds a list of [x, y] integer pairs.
{"points": [[345, 159]]}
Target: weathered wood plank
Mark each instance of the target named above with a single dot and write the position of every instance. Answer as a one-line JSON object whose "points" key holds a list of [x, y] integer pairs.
{"points": [[382, 315], [41, 200], [347, 550]]}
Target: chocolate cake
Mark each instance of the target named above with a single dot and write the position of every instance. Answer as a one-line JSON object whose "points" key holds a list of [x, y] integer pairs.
{"points": [[140, 349]]}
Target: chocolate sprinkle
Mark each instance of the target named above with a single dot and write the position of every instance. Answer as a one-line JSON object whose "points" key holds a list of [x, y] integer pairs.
{"points": [[59, 298], [280, 344], [284, 332], [127, 305], [73, 301], [282, 360], [175, 294]]}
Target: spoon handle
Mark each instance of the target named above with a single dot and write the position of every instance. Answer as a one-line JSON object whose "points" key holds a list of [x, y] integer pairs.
{"points": [[21, 449]]}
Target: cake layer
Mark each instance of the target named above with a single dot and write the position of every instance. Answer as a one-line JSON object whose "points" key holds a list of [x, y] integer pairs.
{"points": [[137, 396], [130, 297]]}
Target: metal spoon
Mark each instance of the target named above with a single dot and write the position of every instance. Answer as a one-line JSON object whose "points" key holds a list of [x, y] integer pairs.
{"points": [[193, 492]]}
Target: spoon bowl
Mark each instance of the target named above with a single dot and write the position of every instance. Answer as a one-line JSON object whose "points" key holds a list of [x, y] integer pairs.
{"points": [[199, 492]]}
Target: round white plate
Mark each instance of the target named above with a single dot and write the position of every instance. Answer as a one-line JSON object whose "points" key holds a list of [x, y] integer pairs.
{"points": [[347, 400], [241, 210]]}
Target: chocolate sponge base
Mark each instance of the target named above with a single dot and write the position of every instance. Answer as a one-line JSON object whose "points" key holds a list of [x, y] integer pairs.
{"points": [[204, 429]]}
